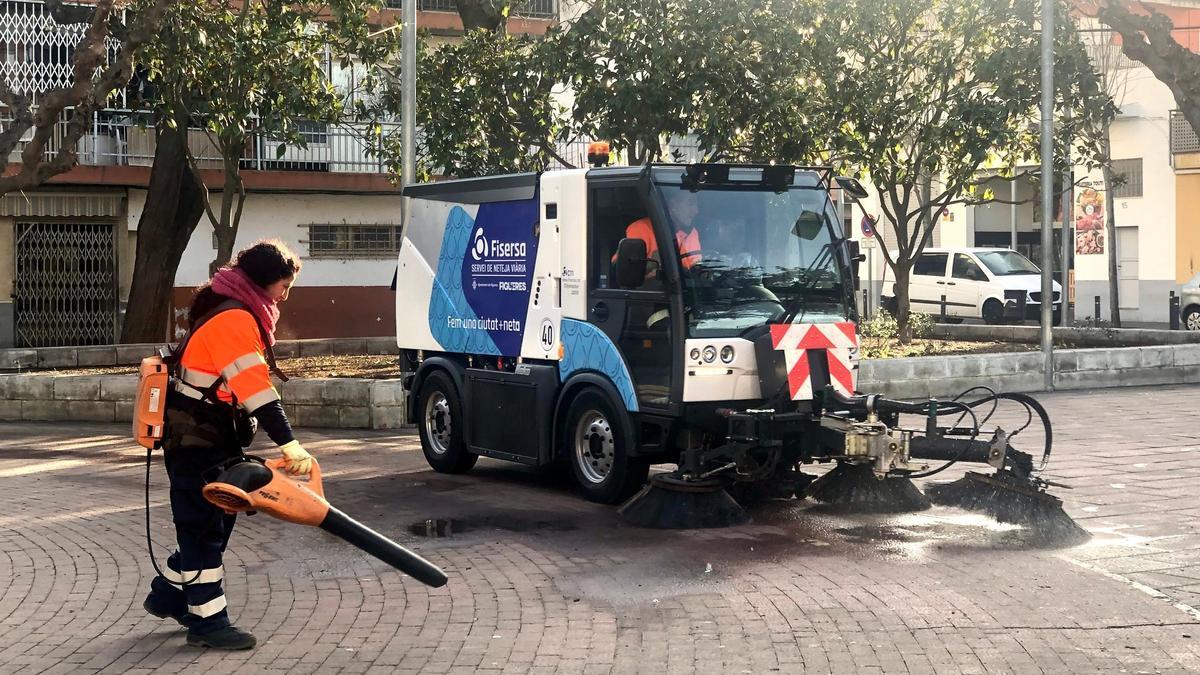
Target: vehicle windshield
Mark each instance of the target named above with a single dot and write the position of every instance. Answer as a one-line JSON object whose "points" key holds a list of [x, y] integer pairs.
{"points": [[750, 256], [1007, 263]]}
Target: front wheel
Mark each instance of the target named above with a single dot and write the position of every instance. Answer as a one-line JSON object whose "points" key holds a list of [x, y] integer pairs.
{"points": [[1191, 318], [993, 312], [598, 444], [440, 425]]}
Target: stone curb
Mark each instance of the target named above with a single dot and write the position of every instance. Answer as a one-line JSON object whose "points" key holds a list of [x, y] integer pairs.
{"points": [[380, 404], [16, 360]]}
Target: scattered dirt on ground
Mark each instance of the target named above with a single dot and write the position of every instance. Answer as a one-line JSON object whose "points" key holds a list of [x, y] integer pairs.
{"points": [[367, 367], [873, 348]]}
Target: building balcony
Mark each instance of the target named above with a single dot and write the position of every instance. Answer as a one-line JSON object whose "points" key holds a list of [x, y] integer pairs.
{"points": [[119, 142], [533, 9]]}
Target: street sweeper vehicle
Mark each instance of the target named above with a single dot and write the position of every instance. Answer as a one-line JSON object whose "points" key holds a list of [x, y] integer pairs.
{"points": [[700, 315]]}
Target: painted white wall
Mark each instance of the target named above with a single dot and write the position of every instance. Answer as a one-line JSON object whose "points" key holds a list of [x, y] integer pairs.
{"points": [[1142, 131], [285, 217]]}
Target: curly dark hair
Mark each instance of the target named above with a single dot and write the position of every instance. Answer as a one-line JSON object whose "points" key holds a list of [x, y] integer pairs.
{"points": [[265, 262]]}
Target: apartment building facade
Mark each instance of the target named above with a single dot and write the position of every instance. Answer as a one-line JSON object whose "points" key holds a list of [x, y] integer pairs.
{"points": [[67, 248]]}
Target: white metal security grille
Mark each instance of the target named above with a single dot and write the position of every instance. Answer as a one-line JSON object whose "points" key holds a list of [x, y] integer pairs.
{"points": [[65, 288], [37, 51], [1183, 136]]}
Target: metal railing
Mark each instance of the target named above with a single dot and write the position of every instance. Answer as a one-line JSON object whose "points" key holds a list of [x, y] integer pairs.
{"points": [[126, 138], [36, 52], [535, 9], [1183, 136]]}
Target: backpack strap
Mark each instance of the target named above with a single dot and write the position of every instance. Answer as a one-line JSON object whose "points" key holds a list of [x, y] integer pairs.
{"points": [[210, 393]]}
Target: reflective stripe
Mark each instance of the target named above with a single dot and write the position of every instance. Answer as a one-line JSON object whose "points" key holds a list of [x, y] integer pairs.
{"points": [[209, 608], [209, 576], [260, 399], [189, 392], [197, 378], [243, 362]]}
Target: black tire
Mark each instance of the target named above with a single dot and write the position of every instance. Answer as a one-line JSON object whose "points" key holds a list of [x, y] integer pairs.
{"points": [[597, 440], [1191, 318], [993, 312], [440, 425]]}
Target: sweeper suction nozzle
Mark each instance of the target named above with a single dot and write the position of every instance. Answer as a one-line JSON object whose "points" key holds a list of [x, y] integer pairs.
{"points": [[257, 485]]}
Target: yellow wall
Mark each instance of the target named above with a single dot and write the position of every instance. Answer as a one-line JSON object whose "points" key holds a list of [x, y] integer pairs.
{"points": [[1187, 226]]}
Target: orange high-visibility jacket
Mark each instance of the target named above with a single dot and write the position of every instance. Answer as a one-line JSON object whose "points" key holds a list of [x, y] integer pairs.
{"points": [[684, 243], [228, 345]]}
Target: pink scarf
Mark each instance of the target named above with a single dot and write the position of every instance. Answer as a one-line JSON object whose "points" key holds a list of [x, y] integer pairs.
{"points": [[234, 283]]}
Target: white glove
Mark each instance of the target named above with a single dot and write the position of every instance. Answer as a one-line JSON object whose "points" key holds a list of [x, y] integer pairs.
{"points": [[299, 462]]}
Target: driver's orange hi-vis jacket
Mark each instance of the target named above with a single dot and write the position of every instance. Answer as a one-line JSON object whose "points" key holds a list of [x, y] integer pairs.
{"points": [[229, 347], [688, 244]]}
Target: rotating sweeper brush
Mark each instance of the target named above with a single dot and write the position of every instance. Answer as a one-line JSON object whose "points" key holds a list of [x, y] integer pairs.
{"points": [[252, 484], [877, 460]]}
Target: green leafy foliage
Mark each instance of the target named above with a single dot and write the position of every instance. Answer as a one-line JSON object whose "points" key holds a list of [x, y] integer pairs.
{"points": [[258, 69]]}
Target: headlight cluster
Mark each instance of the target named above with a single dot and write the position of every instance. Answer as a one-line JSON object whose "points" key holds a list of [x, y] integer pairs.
{"points": [[709, 354]]}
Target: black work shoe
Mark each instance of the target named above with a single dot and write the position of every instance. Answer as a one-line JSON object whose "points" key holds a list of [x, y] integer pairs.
{"points": [[229, 637], [165, 610]]}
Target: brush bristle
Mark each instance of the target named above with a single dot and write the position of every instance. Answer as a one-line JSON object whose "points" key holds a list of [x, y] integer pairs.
{"points": [[1040, 513], [661, 508], [856, 489]]}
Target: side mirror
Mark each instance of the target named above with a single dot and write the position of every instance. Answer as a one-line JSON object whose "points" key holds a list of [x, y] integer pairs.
{"points": [[852, 188], [854, 252], [630, 266]]}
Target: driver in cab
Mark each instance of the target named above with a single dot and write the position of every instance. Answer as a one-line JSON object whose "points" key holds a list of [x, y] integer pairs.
{"points": [[683, 206]]}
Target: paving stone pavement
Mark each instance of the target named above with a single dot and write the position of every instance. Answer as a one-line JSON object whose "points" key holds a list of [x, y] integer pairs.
{"points": [[544, 582]]}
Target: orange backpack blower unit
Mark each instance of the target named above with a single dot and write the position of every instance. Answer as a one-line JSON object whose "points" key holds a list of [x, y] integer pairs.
{"points": [[258, 485]]}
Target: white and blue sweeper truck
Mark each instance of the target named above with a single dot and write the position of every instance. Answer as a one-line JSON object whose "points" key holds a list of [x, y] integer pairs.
{"points": [[698, 315]]}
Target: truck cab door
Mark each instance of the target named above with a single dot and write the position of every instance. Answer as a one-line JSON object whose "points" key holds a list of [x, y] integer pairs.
{"points": [[638, 320]]}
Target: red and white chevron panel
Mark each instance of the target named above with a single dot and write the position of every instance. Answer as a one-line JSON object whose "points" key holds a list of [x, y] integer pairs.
{"points": [[840, 342]]}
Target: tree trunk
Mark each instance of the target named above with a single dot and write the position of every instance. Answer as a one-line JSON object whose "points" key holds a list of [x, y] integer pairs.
{"points": [[482, 14], [903, 309], [173, 208], [1110, 233]]}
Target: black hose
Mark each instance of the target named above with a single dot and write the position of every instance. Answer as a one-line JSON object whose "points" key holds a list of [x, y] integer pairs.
{"points": [[149, 541]]}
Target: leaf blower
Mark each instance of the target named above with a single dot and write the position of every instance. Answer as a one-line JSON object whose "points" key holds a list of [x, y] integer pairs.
{"points": [[253, 484]]}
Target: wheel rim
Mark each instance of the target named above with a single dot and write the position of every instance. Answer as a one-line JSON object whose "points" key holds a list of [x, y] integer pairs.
{"points": [[595, 448], [1193, 321], [438, 423]]}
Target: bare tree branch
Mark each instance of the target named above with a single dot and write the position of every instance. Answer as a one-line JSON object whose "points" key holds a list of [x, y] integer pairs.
{"points": [[1148, 39]]}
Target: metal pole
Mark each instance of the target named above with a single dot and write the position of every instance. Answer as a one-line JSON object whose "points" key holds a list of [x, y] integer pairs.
{"points": [[1048, 188], [1012, 210], [871, 277], [1065, 208], [408, 104]]}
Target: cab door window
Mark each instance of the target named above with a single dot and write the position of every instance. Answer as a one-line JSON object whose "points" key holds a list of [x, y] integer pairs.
{"points": [[618, 213], [967, 269]]}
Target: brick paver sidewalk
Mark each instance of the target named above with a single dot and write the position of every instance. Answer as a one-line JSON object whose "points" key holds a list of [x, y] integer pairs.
{"points": [[542, 581]]}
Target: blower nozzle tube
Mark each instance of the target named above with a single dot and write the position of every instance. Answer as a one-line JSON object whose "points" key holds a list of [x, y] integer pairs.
{"points": [[251, 484], [353, 532]]}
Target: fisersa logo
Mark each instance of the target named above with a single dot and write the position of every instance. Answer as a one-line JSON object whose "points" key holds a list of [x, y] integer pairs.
{"points": [[482, 248], [479, 247]]}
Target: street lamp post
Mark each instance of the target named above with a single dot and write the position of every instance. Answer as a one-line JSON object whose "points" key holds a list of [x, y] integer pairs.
{"points": [[1047, 304], [408, 105]]}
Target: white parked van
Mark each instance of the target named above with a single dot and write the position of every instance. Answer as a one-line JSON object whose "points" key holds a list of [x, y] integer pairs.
{"points": [[993, 284]]}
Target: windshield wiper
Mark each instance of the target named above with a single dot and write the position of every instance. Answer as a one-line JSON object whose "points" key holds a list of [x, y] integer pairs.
{"points": [[805, 282]]}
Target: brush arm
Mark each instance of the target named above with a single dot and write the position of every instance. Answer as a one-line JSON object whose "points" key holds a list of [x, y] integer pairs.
{"points": [[346, 528]]}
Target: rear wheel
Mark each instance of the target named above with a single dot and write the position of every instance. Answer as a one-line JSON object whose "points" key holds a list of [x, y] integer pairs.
{"points": [[440, 424], [598, 444]]}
